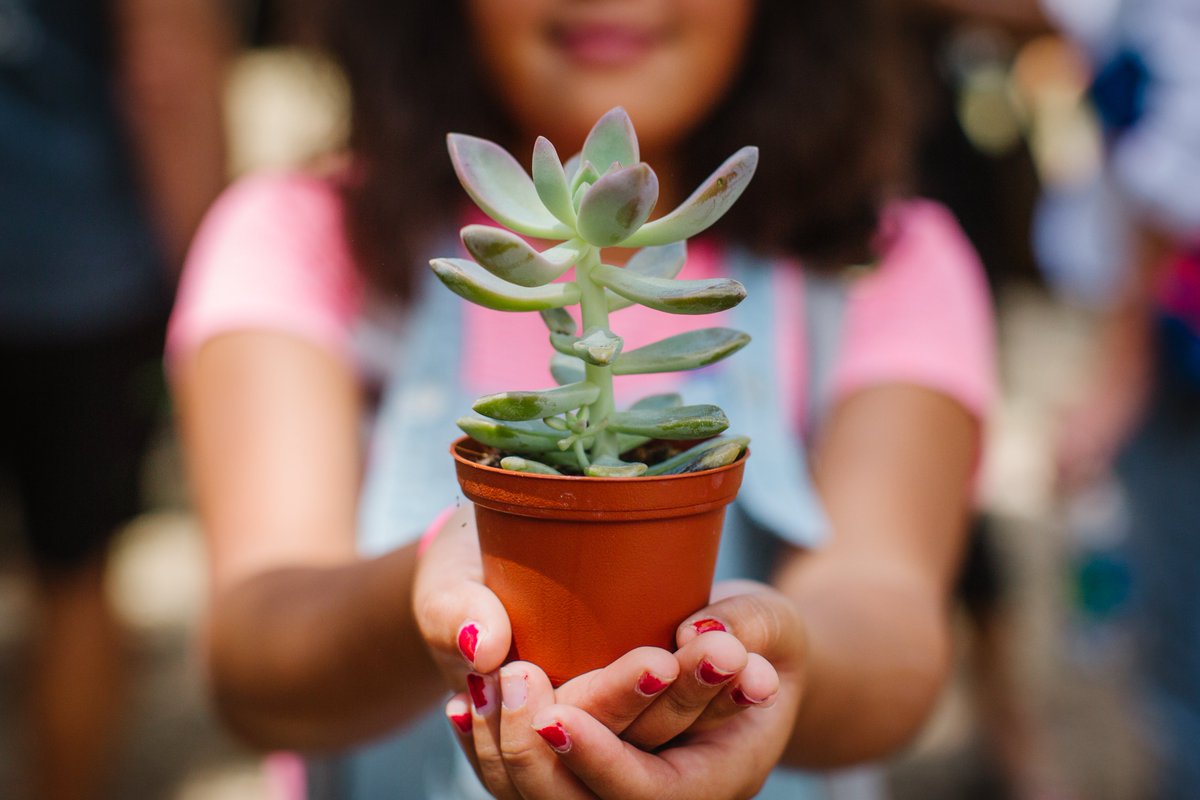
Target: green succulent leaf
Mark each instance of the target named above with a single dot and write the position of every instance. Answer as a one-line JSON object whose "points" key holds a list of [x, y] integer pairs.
{"points": [[523, 437], [684, 351], [539, 404], [703, 296], [617, 204], [566, 369], [656, 402], [550, 181], [559, 320], [585, 175], [598, 346], [519, 464], [683, 422], [724, 450], [664, 261], [612, 139], [608, 467], [501, 188], [571, 167], [705, 206], [472, 282], [509, 257]]}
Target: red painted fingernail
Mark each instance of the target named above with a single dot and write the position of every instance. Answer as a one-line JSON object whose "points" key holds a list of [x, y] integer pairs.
{"points": [[739, 697], [462, 721], [708, 624], [709, 674], [650, 685], [556, 736], [477, 688], [468, 640]]}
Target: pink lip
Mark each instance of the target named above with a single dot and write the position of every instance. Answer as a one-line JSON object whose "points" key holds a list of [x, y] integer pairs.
{"points": [[605, 45]]}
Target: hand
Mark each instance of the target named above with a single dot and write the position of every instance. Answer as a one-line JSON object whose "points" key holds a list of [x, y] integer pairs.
{"points": [[714, 750], [463, 623]]}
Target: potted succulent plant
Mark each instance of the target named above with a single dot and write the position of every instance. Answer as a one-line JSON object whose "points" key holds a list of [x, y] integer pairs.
{"points": [[598, 529]]}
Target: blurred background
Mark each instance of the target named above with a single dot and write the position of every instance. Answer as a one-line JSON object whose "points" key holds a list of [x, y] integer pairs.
{"points": [[1044, 703]]}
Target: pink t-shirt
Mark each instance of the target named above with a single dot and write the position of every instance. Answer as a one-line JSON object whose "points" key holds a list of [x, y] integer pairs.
{"points": [[272, 255]]}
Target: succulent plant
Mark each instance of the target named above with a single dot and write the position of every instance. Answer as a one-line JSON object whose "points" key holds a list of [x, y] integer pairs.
{"points": [[603, 197]]}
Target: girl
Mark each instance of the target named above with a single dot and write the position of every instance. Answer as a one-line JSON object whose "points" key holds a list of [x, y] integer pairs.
{"points": [[303, 303]]}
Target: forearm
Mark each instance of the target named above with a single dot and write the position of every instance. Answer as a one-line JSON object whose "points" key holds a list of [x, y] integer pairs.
{"points": [[315, 658], [878, 652]]}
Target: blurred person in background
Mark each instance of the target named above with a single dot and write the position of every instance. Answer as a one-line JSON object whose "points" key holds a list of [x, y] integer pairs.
{"points": [[1141, 411], [111, 146]]}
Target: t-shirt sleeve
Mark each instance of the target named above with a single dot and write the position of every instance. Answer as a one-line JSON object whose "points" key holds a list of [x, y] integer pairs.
{"points": [[924, 317], [270, 254]]}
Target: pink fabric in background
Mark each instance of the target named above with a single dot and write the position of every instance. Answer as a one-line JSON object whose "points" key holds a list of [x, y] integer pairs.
{"points": [[271, 255]]}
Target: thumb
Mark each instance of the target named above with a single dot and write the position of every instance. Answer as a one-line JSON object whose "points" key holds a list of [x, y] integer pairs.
{"points": [[462, 621]]}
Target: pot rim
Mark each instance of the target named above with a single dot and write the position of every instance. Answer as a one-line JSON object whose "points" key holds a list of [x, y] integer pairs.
{"points": [[642, 479]]}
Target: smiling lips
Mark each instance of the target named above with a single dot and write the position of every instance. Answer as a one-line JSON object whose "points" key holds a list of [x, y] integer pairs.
{"points": [[605, 45]]}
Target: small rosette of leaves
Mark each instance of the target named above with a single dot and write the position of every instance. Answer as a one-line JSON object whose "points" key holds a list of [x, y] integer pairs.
{"points": [[602, 197]]}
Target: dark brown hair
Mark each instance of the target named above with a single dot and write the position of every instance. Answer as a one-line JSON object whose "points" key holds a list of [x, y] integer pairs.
{"points": [[819, 93]]}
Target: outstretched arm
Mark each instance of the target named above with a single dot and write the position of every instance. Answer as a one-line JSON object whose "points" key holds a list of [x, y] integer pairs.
{"points": [[308, 645], [894, 470]]}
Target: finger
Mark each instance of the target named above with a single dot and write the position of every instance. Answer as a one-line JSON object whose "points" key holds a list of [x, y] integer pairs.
{"points": [[707, 665], [612, 768], [461, 620], [484, 694], [458, 713], [763, 620], [756, 686], [534, 771], [618, 693]]}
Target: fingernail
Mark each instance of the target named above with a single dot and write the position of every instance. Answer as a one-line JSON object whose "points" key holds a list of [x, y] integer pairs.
{"points": [[708, 624], [462, 722], [482, 695], [710, 675], [649, 685], [556, 736], [514, 689], [468, 640], [740, 697]]}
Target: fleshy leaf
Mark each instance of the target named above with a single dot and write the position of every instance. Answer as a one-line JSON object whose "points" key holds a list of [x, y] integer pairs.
{"points": [[566, 369], [611, 139], [524, 437], [539, 404], [684, 422], [586, 174], [550, 181], [598, 346], [653, 262], [472, 282], [608, 467], [519, 464], [658, 401], [509, 257], [685, 461], [703, 296], [571, 166], [501, 188], [684, 351], [704, 206], [559, 320], [617, 204]]}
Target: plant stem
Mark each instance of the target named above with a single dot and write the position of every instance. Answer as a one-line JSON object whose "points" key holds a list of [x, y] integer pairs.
{"points": [[594, 307]]}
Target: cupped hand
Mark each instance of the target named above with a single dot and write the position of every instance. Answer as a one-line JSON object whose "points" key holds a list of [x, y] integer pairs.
{"points": [[745, 652], [463, 623]]}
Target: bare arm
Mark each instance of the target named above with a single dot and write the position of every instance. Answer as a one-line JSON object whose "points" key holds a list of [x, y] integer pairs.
{"points": [[894, 471], [172, 56], [309, 646]]}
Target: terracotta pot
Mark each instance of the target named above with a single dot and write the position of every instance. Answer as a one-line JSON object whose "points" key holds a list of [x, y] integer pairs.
{"points": [[589, 568]]}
